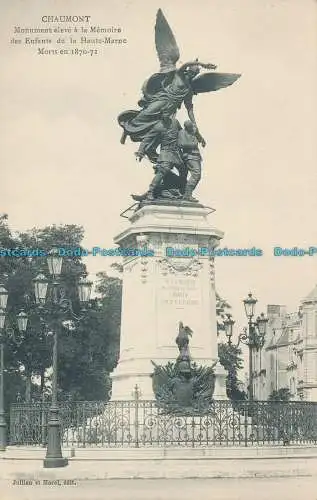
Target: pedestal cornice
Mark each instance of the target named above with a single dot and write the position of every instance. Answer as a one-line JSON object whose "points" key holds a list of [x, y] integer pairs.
{"points": [[171, 219]]}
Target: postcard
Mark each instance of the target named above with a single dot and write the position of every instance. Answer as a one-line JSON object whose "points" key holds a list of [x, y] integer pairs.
{"points": [[158, 249]]}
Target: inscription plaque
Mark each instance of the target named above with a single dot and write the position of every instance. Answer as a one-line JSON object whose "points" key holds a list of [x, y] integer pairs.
{"points": [[178, 298]]}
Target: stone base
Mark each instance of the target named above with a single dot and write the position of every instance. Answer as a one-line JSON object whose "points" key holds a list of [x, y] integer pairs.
{"points": [[52, 463], [127, 382]]}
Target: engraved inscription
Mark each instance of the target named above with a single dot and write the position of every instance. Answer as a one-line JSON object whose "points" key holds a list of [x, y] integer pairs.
{"points": [[180, 292]]}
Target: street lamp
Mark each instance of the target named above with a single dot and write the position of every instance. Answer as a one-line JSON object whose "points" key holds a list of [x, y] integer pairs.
{"points": [[22, 324], [228, 324], [249, 306], [253, 336], [60, 304]]}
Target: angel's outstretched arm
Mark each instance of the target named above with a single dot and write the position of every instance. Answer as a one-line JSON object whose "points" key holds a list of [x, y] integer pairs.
{"points": [[187, 65]]}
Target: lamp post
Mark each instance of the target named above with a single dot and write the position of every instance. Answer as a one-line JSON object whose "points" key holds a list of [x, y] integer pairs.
{"points": [[249, 338], [60, 304], [253, 336], [22, 324]]}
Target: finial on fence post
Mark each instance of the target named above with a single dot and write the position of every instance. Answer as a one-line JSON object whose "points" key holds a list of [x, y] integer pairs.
{"points": [[136, 393]]}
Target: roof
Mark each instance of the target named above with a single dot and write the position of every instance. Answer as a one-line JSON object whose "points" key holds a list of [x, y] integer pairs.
{"points": [[284, 338], [312, 296]]}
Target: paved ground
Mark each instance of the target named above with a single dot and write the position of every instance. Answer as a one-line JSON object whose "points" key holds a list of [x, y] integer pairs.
{"points": [[168, 489]]}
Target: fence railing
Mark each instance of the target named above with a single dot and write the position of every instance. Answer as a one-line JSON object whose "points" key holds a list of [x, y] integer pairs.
{"points": [[138, 423]]}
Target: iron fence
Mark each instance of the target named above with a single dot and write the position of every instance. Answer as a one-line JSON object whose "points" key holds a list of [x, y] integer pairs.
{"points": [[138, 423]]}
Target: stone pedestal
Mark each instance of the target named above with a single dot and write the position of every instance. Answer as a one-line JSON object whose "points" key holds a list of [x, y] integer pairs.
{"points": [[220, 392], [161, 290]]}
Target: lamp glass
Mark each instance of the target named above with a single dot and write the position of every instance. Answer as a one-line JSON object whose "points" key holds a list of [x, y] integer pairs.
{"points": [[3, 297], [40, 288], [249, 305], [54, 262], [84, 290], [22, 320], [262, 322], [229, 322], [2, 319]]}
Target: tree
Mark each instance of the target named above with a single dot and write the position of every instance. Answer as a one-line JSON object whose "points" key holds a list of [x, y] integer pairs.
{"points": [[13, 380], [230, 358], [7, 240], [35, 350], [222, 309], [88, 347], [229, 355], [30, 353], [282, 394]]}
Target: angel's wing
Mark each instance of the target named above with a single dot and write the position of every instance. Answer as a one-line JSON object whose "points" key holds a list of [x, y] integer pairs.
{"points": [[208, 82], [166, 46]]}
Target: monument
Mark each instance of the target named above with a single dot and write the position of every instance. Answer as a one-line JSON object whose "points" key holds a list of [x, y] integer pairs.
{"points": [[170, 278]]}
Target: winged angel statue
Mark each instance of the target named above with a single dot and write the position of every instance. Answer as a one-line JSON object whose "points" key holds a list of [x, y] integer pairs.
{"points": [[165, 92]]}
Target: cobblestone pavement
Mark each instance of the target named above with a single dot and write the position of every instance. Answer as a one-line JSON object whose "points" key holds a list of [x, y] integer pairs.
{"points": [[167, 489]]}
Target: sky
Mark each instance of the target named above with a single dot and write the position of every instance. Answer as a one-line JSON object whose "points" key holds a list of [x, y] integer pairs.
{"points": [[62, 162]]}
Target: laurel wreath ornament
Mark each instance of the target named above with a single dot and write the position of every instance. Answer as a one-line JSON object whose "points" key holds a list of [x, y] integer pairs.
{"points": [[183, 390]]}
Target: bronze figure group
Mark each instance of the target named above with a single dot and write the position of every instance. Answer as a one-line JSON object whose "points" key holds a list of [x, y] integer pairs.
{"points": [[155, 125]]}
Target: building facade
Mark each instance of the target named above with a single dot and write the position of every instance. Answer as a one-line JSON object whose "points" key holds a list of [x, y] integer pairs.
{"points": [[288, 359]]}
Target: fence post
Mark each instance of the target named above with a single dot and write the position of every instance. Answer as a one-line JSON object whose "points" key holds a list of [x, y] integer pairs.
{"points": [[136, 395], [84, 425], [43, 421], [246, 417]]}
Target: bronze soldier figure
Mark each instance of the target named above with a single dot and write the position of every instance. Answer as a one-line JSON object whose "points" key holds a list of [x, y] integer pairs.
{"points": [[165, 135], [188, 143]]}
